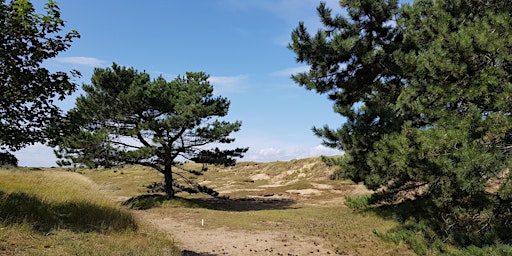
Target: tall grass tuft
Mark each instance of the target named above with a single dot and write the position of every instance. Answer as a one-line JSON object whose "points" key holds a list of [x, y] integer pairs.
{"points": [[357, 202]]}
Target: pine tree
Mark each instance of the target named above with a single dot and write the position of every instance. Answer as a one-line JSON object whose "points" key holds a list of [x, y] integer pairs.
{"points": [[426, 89], [127, 118]]}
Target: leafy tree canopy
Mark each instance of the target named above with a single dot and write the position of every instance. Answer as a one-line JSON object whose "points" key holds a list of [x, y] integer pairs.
{"points": [[28, 90], [127, 118], [426, 89]]}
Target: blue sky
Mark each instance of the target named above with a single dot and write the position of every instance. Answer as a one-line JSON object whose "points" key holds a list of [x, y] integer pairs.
{"points": [[240, 43]]}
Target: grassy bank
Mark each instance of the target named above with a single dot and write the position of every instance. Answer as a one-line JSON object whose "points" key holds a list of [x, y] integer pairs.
{"points": [[54, 212]]}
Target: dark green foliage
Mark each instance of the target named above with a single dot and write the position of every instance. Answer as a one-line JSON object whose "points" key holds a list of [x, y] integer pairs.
{"points": [[127, 118], [8, 159], [28, 90], [498, 250], [426, 89], [415, 235]]}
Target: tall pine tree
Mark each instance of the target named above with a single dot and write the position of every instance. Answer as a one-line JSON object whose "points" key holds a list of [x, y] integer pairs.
{"points": [[426, 89], [127, 118]]}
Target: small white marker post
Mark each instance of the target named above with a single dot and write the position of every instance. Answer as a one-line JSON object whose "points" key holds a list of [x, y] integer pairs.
{"points": [[202, 222]]}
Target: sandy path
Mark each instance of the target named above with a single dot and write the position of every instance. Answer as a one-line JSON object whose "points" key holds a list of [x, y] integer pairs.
{"points": [[195, 239]]}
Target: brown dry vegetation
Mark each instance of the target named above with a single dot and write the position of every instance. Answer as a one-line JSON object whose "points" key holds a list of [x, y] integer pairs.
{"points": [[56, 212], [278, 208]]}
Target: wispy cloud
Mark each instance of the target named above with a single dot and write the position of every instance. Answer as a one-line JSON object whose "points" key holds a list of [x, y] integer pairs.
{"points": [[291, 11], [268, 153], [287, 72], [82, 61], [288, 153], [322, 150], [228, 84]]}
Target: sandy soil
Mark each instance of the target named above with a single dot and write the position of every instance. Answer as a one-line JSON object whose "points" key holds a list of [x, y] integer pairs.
{"points": [[195, 239]]}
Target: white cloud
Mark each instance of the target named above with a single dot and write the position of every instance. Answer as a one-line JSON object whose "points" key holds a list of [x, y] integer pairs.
{"points": [[42, 156], [82, 61], [270, 152], [322, 150], [228, 84], [288, 153], [290, 71]]}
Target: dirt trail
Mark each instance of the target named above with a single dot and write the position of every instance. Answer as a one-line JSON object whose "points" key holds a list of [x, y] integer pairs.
{"points": [[276, 187], [195, 239]]}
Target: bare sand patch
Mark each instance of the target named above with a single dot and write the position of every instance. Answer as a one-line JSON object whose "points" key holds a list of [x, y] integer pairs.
{"points": [[229, 191], [260, 176], [304, 192], [271, 186], [196, 239], [322, 186]]}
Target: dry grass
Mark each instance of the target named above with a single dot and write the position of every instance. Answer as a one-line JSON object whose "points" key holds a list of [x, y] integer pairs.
{"points": [[54, 212], [346, 232], [123, 181], [21, 239], [263, 197]]}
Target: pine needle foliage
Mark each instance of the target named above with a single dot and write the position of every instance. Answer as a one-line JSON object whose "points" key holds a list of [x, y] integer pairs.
{"points": [[127, 118], [426, 89]]}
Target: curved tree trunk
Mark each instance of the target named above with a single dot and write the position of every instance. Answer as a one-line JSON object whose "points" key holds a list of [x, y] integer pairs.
{"points": [[169, 190]]}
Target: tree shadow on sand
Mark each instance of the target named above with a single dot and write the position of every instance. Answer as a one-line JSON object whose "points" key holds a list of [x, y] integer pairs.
{"points": [[191, 253], [245, 204], [144, 202]]}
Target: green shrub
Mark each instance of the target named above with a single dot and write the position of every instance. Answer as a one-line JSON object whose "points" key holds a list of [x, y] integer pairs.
{"points": [[357, 202], [494, 250]]}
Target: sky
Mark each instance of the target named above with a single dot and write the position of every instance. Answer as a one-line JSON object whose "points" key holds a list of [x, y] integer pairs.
{"points": [[241, 44]]}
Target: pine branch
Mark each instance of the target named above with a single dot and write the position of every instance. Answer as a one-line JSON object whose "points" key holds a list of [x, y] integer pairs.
{"points": [[142, 140], [124, 144]]}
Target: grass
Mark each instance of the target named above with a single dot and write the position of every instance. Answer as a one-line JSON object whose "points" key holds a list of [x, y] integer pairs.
{"points": [[54, 212], [57, 212], [20, 239], [346, 231], [123, 182]]}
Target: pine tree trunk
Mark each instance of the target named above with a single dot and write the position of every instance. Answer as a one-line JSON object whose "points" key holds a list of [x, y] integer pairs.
{"points": [[169, 191]]}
